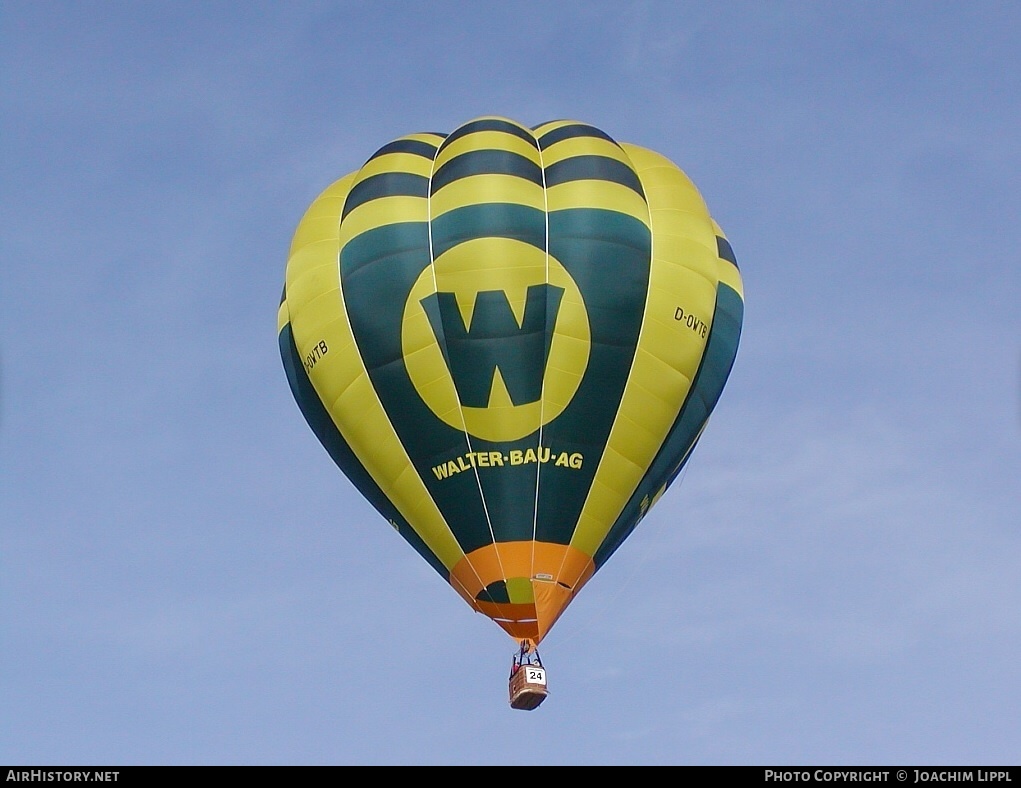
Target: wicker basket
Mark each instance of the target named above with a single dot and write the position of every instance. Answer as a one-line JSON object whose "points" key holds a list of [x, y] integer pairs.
{"points": [[528, 687]]}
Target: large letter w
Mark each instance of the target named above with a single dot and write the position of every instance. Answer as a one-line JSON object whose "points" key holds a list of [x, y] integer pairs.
{"points": [[496, 340]]}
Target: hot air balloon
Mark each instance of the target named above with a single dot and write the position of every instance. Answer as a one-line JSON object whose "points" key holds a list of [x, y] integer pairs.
{"points": [[510, 340]]}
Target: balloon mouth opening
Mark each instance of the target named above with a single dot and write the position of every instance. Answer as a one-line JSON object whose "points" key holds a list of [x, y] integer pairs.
{"points": [[524, 586]]}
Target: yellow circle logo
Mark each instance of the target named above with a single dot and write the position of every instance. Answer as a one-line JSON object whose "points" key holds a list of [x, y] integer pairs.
{"points": [[496, 338]]}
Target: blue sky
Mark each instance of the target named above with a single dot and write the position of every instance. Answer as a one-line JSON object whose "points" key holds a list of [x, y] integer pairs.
{"points": [[185, 578]]}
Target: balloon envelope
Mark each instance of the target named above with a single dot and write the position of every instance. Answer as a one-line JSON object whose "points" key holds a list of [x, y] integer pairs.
{"points": [[510, 340]]}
